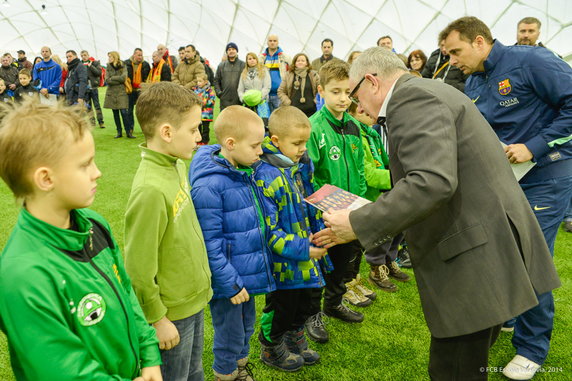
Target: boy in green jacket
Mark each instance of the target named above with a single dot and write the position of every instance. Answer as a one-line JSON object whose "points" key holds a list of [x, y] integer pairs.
{"points": [[165, 252], [382, 259], [335, 148], [66, 302]]}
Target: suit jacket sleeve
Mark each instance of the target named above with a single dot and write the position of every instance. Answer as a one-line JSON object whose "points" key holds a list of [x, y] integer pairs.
{"points": [[422, 133]]}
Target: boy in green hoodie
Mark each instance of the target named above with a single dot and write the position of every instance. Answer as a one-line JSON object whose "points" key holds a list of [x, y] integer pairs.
{"points": [[66, 302], [335, 148], [165, 252]]}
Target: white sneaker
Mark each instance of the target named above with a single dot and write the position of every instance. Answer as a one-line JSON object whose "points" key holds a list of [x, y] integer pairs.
{"points": [[520, 368]]}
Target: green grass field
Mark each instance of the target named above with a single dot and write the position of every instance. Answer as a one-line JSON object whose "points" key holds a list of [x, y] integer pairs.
{"points": [[391, 344]]}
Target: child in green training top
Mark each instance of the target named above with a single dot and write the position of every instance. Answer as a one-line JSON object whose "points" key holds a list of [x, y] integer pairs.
{"points": [[66, 302], [165, 252], [335, 147]]}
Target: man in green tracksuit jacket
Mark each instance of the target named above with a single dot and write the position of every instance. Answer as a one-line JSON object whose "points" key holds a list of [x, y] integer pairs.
{"points": [[67, 301]]}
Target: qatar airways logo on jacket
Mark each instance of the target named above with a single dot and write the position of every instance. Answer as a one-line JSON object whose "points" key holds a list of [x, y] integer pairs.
{"points": [[509, 102]]}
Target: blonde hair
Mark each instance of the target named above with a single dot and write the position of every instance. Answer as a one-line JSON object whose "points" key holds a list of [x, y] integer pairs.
{"points": [[59, 61], [116, 60], [163, 102], [259, 66], [285, 118], [32, 135], [334, 70], [234, 122]]}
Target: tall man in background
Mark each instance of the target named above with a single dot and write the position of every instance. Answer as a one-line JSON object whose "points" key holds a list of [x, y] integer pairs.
{"points": [[526, 96], [50, 75], [277, 63]]}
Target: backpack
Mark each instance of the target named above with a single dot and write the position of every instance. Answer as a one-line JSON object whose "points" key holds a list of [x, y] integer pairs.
{"points": [[209, 71], [102, 77]]}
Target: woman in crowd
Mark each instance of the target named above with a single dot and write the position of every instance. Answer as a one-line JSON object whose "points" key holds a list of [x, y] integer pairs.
{"points": [[64, 67], [416, 60], [255, 76], [300, 86], [116, 96]]}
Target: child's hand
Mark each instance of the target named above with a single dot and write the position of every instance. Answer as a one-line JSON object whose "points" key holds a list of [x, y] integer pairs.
{"points": [[152, 373], [241, 297], [317, 252], [167, 334]]}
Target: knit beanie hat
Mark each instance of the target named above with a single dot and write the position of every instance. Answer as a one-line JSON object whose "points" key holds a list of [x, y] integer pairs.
{"points": [[231, 45]]}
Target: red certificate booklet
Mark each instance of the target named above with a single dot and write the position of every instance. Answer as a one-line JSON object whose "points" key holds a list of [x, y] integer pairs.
{"points": [[331, 197]]}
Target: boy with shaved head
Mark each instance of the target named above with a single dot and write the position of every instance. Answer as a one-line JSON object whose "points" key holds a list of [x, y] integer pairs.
{"points": [[286, 178], [229, 209]]}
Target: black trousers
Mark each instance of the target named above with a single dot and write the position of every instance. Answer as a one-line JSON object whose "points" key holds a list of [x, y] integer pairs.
{"points": [[462, 358], [130, 122], [291, 308], [341, 256], [117, 118], [92, 99], [205, 131]]}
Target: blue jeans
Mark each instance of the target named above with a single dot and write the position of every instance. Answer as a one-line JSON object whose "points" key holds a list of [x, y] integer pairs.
{"points": [[273, 102], [568, 216], [185, 361], [549, 201], [233, 326]]}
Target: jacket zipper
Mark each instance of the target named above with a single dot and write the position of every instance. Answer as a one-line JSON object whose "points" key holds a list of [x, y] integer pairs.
{"points": [[345, 159], [104, 276], [264, 244]]}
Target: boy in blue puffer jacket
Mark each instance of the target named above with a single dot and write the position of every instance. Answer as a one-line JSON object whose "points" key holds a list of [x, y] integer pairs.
{"points": [[286, 178], [229, 208]]}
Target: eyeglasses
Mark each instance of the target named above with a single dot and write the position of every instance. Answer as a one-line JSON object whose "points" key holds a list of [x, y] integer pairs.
{"points": [[356, 89]]}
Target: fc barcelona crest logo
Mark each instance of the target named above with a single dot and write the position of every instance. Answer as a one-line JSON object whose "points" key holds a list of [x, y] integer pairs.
{"points": [[505, 87]]}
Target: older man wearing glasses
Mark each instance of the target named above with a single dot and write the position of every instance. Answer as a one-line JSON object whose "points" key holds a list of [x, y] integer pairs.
{"points": [[477, 250]]}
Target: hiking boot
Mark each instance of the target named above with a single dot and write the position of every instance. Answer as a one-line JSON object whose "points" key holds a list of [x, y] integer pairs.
{"points": [[379, 276], [280, 357], [396, 273], [296, 343], [316, 329], [363, 289], [225, 377], [245, 370], [403, 258], [354, 297], [344, 313]]}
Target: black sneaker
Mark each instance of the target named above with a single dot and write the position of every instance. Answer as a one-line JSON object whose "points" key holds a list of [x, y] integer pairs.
{"points": [[343, 313], [403, 258], [316, 329]]}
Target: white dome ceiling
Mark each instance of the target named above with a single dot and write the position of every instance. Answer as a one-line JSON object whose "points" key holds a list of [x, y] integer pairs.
{"points": [[100, 26]]}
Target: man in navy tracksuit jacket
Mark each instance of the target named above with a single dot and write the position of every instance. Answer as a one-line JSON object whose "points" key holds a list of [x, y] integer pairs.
{"points": [[525, 93]]}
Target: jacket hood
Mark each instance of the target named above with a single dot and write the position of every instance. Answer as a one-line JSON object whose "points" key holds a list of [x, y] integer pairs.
{"points": [[207, 162], [273, 156]]}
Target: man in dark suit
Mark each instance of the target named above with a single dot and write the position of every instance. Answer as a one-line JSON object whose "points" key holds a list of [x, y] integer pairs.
{"points": [[477, 251]]}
